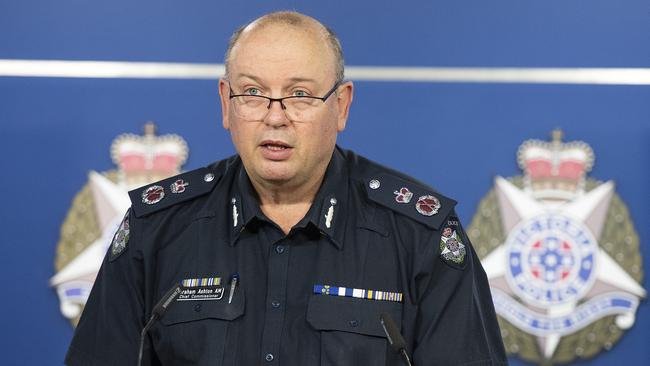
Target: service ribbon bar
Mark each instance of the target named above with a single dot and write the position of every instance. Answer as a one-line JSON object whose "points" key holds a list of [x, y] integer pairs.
{"points": [[201, 282], [358, 293]]}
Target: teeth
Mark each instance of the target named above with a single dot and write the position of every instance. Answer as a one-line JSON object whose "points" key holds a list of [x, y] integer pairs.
{"points": [[275, 147]]}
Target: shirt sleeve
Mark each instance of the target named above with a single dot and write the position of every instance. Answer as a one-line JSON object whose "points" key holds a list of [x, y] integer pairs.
{"points": [[457, 324], [108, 332]]}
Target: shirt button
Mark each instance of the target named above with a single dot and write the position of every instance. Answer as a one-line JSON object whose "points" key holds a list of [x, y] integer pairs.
{"points": [[269, 357], [197, 307], [275, 303], [279, 249], [354, 323]]}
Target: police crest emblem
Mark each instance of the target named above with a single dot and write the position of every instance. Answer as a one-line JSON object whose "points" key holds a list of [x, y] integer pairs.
{"points": [[561, 254], [452, 248], [96, 223], [121, 238]]}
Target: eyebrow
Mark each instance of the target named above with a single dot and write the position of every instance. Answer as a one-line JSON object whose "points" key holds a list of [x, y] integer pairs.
{"points": [[300, 80], [254, 78], [292, 80]]}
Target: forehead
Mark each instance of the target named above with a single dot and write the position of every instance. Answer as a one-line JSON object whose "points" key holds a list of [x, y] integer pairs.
{"points": [[282, 52]]}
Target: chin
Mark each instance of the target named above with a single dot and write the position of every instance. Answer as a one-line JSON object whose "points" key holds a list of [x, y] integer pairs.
{"points": [[276, 174]]}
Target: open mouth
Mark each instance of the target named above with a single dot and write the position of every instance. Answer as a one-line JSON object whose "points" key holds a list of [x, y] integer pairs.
{"points": [[276, 150], [275, 145]]}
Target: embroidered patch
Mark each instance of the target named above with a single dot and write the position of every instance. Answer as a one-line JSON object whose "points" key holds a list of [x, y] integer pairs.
{"points": [[358, 293], [197, 289], [452, 248], [121, 238]]}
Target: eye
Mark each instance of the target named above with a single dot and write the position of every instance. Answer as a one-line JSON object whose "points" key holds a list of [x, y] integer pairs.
{"points": [[300, 93], [252, 91]]}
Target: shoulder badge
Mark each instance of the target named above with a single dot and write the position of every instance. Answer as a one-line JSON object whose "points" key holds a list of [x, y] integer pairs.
{"points": [[417, 201], [452, 243], [121, 238], [168, 192]]}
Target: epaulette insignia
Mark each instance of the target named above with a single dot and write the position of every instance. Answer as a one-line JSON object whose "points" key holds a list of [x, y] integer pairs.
{"points": [[157, 196], [411, 199], [120, 239], [452, 247]]}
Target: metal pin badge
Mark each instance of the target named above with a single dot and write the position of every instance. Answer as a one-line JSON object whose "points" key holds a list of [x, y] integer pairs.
{"points": [[178, 186], [403, 195], [153, 194], [235, 214], [330, 213]]}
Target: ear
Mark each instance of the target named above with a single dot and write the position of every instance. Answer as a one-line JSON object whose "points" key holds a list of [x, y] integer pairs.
{"points": [[224, 93], [344, 100]]}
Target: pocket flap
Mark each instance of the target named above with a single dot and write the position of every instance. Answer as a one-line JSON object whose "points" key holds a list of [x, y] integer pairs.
{"points": [[349, 314], [187, 311]]}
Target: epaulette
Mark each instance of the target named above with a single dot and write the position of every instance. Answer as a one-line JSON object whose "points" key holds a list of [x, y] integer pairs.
{"points": [[168, 192], [419, 202]]}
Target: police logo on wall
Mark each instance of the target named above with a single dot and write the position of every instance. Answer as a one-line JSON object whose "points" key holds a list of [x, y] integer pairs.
{"points": [[561, 254], [95, 219]]}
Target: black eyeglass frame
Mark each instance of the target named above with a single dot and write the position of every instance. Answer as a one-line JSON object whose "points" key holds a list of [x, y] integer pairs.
{"points": [[281, 100]]}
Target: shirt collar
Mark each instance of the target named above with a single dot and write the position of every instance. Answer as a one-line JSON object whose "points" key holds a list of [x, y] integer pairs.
{"points": [[244, 205], [328, 212]]}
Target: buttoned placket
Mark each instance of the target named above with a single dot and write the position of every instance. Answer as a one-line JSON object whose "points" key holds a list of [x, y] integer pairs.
{"points": [[243, 210], [276, 296]]}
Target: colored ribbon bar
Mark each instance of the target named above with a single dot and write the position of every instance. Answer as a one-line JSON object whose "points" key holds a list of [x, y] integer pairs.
{"points": [[358, 293], [201, 282]]}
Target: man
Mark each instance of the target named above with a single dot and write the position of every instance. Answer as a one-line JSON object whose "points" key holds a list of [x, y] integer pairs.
{"points": [[289, 252]]}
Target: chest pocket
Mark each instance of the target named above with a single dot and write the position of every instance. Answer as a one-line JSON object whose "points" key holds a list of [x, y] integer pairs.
{"points": [[196, 332], [351, 333]]}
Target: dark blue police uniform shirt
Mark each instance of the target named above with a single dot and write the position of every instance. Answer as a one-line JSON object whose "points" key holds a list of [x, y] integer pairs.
{"points": [[286, 308]]}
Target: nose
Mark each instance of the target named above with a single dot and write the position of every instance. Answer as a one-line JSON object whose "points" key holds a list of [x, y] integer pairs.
{"points": [[276, 115]]}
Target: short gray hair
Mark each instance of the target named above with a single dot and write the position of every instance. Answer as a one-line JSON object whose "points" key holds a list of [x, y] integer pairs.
{"points": [[295, 19]]}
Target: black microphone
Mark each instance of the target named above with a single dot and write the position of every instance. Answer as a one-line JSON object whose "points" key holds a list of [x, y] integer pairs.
{"points": [[395, 338], [157, 312]]}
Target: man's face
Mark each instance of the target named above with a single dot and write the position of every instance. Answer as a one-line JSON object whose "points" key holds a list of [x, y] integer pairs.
{"points": [[279, 61]]}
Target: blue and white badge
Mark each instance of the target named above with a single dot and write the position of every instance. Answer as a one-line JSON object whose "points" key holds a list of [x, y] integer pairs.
{"points": [[358, 293], [551, 260]]}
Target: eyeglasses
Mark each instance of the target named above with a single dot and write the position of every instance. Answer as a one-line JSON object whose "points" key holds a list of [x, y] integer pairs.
{"points": [[253, 107]]}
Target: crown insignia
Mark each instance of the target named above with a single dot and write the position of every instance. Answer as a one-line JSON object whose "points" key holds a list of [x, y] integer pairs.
{"points": [[147, 158], [555, 170]]}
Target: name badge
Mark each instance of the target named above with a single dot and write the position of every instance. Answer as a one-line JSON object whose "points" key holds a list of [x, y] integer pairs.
{"points": [[196, 289]]}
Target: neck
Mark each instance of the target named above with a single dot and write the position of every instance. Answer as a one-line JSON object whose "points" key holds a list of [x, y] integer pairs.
{"points": [[286, 204]]}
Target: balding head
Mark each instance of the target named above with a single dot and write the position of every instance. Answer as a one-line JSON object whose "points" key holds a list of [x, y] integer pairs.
{"points": [[287, 146], [299, 22]]}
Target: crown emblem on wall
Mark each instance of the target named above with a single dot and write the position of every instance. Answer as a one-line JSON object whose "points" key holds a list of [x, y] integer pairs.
{"points": [[98, 208], [147, 158], [565, 265], [555, 170]]}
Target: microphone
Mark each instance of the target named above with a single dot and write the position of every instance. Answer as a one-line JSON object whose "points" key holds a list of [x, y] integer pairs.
{"points": [[157, 312], [395, 338]]}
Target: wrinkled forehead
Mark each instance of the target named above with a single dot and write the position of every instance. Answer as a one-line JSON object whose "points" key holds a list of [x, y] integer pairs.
{"points": [[277, 52]]}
